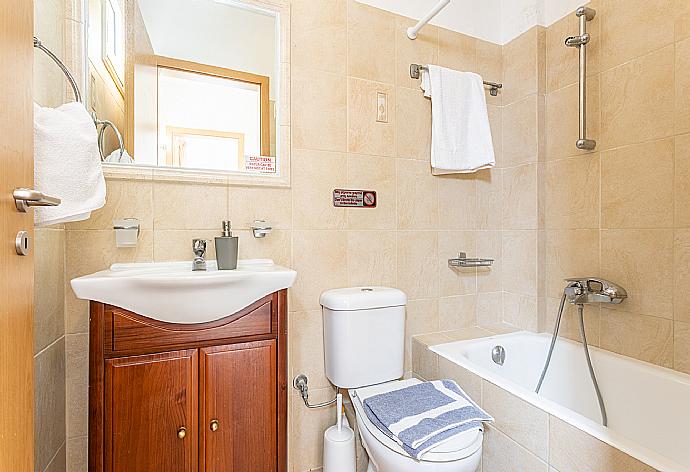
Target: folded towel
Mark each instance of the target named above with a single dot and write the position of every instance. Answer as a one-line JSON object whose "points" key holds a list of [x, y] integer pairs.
{"points": [[67, 164], [460, 132], [424, 415]]}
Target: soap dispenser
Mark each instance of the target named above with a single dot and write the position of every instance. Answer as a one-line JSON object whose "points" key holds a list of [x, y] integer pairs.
{"points": [[226, 248]]}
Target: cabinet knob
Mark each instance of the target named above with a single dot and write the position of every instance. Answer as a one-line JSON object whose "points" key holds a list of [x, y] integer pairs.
{"points": [[214, 425], [182, 432]]}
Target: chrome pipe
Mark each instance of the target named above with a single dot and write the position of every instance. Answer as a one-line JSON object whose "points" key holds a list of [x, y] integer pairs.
{"points": [[585, 14]]}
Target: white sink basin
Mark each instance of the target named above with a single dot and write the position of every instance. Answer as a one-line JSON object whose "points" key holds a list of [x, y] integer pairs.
{"points": [[171, 292]]}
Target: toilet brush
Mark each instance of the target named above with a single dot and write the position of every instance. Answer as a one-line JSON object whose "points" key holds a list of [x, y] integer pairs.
{"points": [[339, 445]]}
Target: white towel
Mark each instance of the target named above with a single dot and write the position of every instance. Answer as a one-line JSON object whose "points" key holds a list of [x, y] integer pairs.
{"points": [[460, 134], [67, 164]]}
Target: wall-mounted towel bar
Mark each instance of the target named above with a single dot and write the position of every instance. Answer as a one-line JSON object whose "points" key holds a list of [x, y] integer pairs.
{"points": [[416, 70], [463, 261]]}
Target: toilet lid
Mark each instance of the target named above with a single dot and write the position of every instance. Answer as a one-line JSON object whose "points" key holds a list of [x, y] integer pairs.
{"points": [[461, 446]]}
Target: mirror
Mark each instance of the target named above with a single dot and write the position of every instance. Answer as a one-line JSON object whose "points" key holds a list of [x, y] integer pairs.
{"points": [[191, 84]]}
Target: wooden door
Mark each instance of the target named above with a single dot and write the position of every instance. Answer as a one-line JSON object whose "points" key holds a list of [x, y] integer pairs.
{"points": [[16, 272], [151, 413], [238, 408]]}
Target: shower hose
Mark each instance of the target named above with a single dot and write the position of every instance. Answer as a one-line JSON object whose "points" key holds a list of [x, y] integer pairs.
{"points": [[583, 336]]}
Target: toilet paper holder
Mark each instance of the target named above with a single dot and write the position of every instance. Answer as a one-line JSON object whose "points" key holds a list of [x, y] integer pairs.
{"points": [[127, 232]]}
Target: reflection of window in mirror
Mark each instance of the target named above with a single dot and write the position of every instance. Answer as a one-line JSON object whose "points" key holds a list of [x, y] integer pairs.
{"points": [[213, 118], [113, 42]]}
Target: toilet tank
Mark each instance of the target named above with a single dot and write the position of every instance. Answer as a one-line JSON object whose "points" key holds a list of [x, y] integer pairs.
{"points": [[364, 335]]}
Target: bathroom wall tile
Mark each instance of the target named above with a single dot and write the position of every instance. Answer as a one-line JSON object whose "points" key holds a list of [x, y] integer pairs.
{"points": [[456, 280], [418, 263], [371, 258], [635, 101], [318, 258], [469, 382], [570, 253], [570, 322], [77, 454], [424, 361], [49, 280], [307, 427], [489, 308], [457, 51], [682, 78], [465, 334], [681, 275], [489, 198], [319, 35], [490, 66], [682, 26], [247, 204], [422, 316], [49, 403], [636, 191], [501, 453], [562, 62], [277, 245], [521, 67], [562, 119], [521, 132], [314, 176], [681, 185], [496, 124], [572, 193], [124, 199], [369, 26], [176, 245], [457, 312], [520, 197], [523, 423], [489, 245], [681, 345], [185, 206], [647, 338], [306, 347], [520, 262], [372, 173], [77, 384], [640, 18], [423, 50], [413, 121], [59, 461], [365, 135], [520, 311], [417, 195], [625, 258], [319, 110], [457, 201], [576, 451]]}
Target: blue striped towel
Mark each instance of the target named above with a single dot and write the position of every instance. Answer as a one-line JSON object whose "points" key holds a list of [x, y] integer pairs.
{"points": [[424, 415]]}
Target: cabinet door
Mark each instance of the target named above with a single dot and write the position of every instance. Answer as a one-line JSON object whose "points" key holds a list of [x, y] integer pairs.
{"points": [[151, 413], [239, 408]]}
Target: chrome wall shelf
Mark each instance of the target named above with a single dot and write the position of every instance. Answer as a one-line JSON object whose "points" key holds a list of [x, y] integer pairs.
{"points": [[463, 261]]}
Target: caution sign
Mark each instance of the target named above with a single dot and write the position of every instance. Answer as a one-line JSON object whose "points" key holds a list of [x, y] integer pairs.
{"points": [[260, 164], [354, 198]]}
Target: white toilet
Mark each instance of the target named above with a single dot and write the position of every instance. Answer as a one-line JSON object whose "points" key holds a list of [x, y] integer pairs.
{"points": [[364, 339]]}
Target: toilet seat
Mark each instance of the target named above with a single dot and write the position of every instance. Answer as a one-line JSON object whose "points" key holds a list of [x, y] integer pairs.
{"points": [[460, 447]]}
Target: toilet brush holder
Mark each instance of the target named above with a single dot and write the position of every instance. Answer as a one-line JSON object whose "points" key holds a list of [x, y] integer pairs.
{"points": [[339, 445]]}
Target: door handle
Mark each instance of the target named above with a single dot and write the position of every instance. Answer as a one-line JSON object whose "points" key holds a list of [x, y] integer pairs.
{"points": [[25, 198]]}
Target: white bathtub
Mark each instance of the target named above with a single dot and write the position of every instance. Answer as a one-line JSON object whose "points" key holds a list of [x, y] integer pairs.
{"points": [[648, 406]]}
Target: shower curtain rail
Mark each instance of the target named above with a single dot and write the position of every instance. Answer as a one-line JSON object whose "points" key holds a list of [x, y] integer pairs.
{"points": [[413, 30], [416, 69]]}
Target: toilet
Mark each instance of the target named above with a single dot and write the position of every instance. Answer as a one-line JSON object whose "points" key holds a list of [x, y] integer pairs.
{"points": [[364, 349]]}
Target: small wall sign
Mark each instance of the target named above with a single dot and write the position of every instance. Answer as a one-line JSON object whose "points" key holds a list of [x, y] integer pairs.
{"points": [[354, 198]]}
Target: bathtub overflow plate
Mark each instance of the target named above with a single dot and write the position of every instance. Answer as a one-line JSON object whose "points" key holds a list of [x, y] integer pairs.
{"points": [[498, 355]]}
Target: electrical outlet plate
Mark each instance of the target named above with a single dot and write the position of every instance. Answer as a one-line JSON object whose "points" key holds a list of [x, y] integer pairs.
{"points": [[381, 107]]}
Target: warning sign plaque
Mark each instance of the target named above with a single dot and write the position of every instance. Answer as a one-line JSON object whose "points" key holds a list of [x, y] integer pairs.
{"points": [[354, 198]]}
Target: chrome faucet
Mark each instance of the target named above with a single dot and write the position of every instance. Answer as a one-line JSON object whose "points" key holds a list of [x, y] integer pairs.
{"points": [[199, 248], [593, 290]]}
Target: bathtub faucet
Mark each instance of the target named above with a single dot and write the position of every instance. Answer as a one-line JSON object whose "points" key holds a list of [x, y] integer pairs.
{"points": [[593, 290]]}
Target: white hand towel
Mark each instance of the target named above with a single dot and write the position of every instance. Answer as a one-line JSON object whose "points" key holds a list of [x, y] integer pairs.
{"points": [[67, 164], [460, 133]]}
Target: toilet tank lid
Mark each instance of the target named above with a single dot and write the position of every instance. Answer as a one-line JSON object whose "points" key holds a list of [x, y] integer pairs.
{"points": [[362, 298]]}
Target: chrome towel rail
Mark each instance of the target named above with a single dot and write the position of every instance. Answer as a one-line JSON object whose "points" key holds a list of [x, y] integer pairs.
{"points": [[416, 69], [585, 14], [463, 261]]}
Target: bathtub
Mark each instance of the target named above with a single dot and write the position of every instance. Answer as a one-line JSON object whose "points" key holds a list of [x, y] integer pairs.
{"points": [[648, 406]]}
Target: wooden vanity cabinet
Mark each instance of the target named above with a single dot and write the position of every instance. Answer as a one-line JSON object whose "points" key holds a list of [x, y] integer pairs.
{"points": [[209, 397]]}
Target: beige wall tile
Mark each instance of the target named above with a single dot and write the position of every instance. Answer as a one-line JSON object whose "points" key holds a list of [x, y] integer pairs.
{"points": [[570, 253], [124, 199], [625, 256], [184, 206], [59, 462], [572, 193], [421, 317], [413, 121], [636, 191], [520, 262], [372, 173], [369, 26], [417, 195], [371, 258], [489, 199], [314, 176], [570, 322], [489, 245], [501, 453], [457, 312], [418, 263], [176, 244], [521, 67], [682, 26], [490, 66], [247, 204], [525, 424], [424, 361], [49, 280], [635, 101], [682, 181], [423, 50], [681, 276], [366, 135], [562, 62], [319, 35], [682, 91], [318, 258], [576, 451], [520, 197], [77, 384], [496, 124], [489, 308], [77, 454], [640, 18], [520, 311], [681, 344], [277, 245], [457, 201], [469, 382], [306, 347], [319, 110], [521, 132], [49, 403], [457, 51], [456, 280], [647, 338]]}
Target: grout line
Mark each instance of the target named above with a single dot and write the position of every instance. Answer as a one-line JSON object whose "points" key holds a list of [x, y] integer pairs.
{"points": [[39, 353]]}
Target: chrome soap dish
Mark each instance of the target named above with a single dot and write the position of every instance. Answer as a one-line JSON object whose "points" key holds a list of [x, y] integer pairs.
{"points": [[464, 261]]}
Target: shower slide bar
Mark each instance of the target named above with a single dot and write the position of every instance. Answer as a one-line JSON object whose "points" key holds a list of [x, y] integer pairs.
{"points": [[416, 69], [585, 14], [413, 30]]}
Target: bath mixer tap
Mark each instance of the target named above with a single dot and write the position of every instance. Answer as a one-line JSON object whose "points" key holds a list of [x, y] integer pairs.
{"points": [[593, 290], [199, 248]]}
